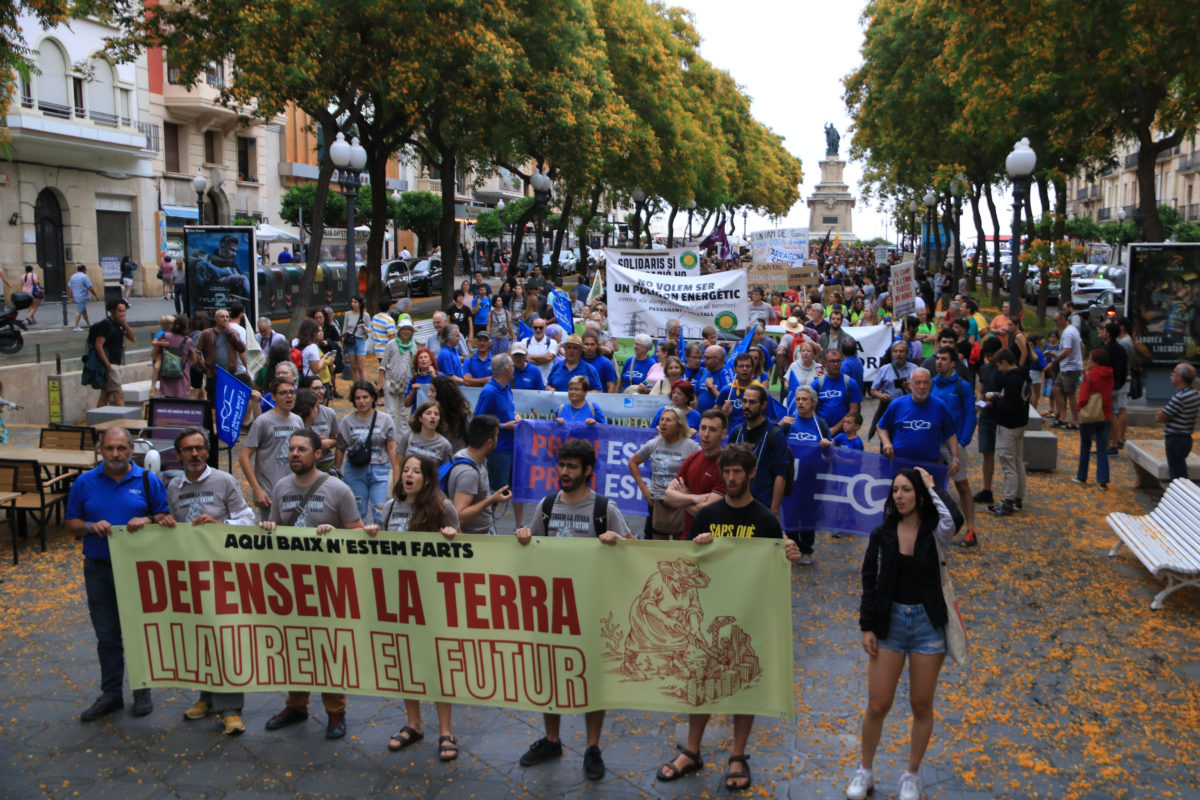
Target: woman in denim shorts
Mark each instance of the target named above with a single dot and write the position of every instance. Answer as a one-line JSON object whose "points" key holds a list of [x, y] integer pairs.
{"points": [[903, 616]]}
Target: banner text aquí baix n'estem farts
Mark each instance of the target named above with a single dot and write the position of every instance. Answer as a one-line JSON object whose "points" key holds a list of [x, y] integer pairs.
{"points": [[563, 625]]}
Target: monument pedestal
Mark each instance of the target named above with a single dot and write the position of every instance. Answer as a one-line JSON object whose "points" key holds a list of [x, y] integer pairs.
{"points": [[831, 207]]}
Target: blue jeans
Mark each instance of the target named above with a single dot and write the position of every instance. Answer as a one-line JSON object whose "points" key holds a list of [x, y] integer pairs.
{"points": [[1177, 446], [369, 485], [911, 631], [102, 606], [499, 470], [1099, 431]]}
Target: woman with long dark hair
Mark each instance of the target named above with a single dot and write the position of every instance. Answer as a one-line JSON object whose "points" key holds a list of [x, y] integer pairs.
{"points": [[378, 431], [1098, 379], [902, 616], [456, 411], [196, 326], [357, 331], [419, 505]]}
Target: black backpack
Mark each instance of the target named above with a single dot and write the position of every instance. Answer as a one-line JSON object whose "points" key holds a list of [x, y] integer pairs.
{"points": [[599, 512]]}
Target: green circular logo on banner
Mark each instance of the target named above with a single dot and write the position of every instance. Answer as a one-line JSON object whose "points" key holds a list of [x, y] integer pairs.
{"points": [[726, 321], [689, 259]]}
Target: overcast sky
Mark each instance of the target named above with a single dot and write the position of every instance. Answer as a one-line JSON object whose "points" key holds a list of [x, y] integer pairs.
{"points": [[790, 58]]}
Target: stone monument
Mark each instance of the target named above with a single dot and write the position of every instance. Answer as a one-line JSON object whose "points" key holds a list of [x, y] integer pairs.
{"points": [[831, 206]]}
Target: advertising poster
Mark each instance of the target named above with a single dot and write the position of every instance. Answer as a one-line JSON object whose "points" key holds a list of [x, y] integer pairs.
{"points": [[643, 302], [220, 268], [562, 625], [1164, 300]]}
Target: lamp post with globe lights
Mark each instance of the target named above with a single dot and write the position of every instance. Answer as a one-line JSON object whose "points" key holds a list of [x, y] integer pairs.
{"points": [[542, 194], [1120, 233], [349, 158], [957, 187], [691, 210], [200, 184], [930, 200], [1019, 165], [912, 223]]}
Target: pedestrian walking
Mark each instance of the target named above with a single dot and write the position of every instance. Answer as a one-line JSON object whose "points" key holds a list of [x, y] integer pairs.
{"points": [[1095, 416]]}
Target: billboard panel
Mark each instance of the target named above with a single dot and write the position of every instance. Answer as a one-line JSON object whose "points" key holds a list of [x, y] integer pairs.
{"points": [[220, 267], [1164, 300]]}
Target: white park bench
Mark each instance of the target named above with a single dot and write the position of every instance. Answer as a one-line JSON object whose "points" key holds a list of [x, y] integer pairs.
{"points": [[1167, 540]]}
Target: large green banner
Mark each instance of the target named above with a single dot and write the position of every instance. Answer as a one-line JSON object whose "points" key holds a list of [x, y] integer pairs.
{"points": [[561, 625]]}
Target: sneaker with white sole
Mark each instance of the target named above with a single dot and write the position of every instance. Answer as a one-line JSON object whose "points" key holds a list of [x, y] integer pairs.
{"points": [[861, 785], [805, 560], [910, 787]]}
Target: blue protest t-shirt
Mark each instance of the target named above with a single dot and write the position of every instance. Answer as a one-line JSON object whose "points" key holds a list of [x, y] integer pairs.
{"points": [[918, 429], [704, 399], [561, 375], [419, 380], [95, 497], [634, 372], [806, 431], [842, 440], [604, 369], [448, 362], [582, 414], [497, 400], [693, 419], [852, 368], [733, 394], [528, 378], [835, 396], [483, 310], [478, 367]]}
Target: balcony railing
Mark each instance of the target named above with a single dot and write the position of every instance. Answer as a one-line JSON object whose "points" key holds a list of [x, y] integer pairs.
{"points": [[54, 109], [1104, 214], [151, 133], [1093, 192], [103, 118], [1131, 161], [1082, 194], [1193, 212], [1189, 163]]}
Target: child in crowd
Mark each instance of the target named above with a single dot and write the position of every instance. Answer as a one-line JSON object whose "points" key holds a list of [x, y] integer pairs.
{"points": [[1049, 353], [849, 435]]}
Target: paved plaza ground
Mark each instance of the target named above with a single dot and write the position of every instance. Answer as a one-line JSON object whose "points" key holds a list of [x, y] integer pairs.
{"points": [[1076, 689]]}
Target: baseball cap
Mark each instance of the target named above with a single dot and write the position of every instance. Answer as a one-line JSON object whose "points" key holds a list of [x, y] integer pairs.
{"points": [[518, 349]]}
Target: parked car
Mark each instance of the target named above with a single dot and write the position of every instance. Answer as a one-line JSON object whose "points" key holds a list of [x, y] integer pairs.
{"points": [[1033, 285], [1085, 290], [413, 277], [1106, 307], [566, 260]]}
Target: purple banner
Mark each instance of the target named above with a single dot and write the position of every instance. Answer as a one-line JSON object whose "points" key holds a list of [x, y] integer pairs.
{"points": [[535, 470], [839, 489]]}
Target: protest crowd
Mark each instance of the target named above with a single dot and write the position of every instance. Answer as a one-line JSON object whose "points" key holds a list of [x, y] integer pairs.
{"points": [[429, 444]]}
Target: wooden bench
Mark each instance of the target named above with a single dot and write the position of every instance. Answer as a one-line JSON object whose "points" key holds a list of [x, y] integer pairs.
{"points": [[1167, 540], [1149, 459]]}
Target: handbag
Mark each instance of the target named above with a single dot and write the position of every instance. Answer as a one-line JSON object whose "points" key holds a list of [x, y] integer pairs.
{"points": [[360, 454], [1093, 410], [956, 628]]}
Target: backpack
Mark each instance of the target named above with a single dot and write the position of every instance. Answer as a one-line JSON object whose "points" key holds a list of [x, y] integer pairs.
{"points": [[845, 383], [445, 469], [599, 512], [297, 358], [172, 363]]}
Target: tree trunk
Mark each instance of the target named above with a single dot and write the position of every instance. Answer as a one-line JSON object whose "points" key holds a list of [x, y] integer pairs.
{"points": [[708, 216], [448, 228], [1060, 209], [564, 220], [514, 262], [671, 226], [313, 254], [1043, 195], [582, 266], [1152, 228], [377, 168], [996, 279], [981, 246]]}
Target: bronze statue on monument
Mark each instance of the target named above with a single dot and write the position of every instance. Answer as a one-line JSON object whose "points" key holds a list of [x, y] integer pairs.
{"points": [[832, 140]]}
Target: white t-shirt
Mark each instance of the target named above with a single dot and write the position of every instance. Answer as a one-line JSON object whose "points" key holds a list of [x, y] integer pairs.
{"points": [[546, 345], [308, 355], [1072, 344]]}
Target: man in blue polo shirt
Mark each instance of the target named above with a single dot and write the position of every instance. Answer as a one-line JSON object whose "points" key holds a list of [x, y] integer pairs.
{"points": [[958, 397], [729, 401], [114, 493], [448, 361], [525, 375], [917, 425], [477, 370], [572, 365], [837, 395], [496, 398], [709, 382]]}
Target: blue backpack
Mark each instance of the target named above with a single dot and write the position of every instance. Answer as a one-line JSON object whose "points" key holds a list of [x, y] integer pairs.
{"points": [[445, 469]]}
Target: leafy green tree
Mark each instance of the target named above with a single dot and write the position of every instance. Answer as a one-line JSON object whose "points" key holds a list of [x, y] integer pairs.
{"points": [[419, 212], [298, 203], [489, 225], [1084, 228]]}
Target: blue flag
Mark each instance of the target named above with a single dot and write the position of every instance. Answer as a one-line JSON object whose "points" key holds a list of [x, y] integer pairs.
{"points": [[727, 374], [562, 311], [523, 330], [232, 397]]}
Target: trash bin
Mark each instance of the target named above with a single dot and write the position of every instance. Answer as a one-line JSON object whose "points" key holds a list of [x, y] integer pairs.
{"points": [[291, 287], [335, 286], [276, 306], [263, 291], [316, 292], [112, 293]]}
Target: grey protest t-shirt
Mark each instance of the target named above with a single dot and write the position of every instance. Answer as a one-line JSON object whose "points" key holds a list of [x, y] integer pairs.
{"points": [[269, 435], [332, 504], [665, 460], [576, 519], [466, 479], [437, 450], [351, 430], [216, 494], [400, 512]]}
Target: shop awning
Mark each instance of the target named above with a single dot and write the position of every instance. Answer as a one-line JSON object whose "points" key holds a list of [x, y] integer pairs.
{"points": [[182, 212]]}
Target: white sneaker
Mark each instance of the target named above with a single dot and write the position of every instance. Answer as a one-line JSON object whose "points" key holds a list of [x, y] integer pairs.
{"points": [[77, 330], [910, 787], [861, 785]]}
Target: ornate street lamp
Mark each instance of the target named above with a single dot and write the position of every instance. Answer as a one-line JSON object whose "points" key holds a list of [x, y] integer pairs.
{"points": [[1120, 233], [349, 158], [542, 194], [912, 222], [957, 188], [930, 200], [1019, 165], [396, 226], [200, 184]]}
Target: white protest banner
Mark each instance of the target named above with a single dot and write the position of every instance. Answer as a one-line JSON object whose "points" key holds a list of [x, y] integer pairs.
{"points": [[641, 302], [874, 343], [789, 245], [679, 262], [903, 286]]}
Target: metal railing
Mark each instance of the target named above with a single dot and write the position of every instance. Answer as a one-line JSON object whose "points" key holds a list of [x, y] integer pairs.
{"points": [[1104, 215], [151, 132]]}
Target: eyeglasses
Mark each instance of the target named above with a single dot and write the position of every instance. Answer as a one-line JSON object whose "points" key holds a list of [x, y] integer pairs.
{"points": [[285, 393]]}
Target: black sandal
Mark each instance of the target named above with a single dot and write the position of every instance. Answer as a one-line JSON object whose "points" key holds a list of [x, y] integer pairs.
{"points": [[447, 748], [678, 772], [404, 737], [730, 775]]}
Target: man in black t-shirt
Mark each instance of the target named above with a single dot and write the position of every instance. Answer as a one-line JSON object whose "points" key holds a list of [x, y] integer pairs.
{"points": [[460, 315], [109, 335], [736, 515]]}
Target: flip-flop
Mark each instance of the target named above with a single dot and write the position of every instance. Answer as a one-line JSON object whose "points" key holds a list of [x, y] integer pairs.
{"points": [[447, 748], [404, 737], [730, 775], [678, 772]]}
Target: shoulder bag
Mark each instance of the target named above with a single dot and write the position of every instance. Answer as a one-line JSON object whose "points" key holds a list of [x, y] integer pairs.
{"points": [[956, 628], [295, 515], [360, 454], [1093, 410]]}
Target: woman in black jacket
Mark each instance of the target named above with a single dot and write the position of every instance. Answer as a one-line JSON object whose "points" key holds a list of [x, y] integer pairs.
{"points": [[903, 614]]}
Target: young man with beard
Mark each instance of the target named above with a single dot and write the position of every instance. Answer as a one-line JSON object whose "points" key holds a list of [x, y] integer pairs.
{"points": [[309, 498], [737, 515], [698, 481], [574, 511], [264, 455], [205, 496], [773, 458]]}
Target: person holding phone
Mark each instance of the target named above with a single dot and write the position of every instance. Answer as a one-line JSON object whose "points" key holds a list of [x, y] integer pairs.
{"points": [[467, 481]]}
